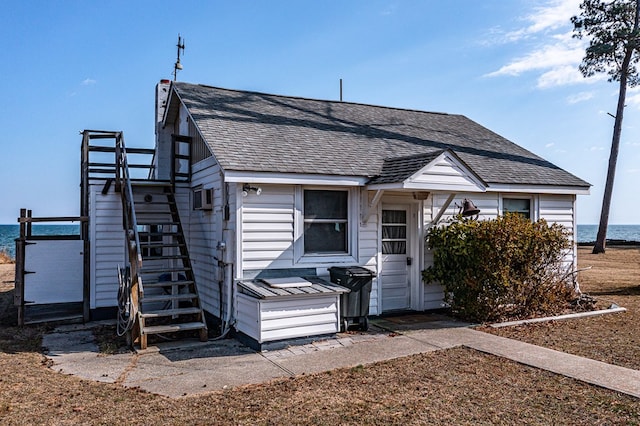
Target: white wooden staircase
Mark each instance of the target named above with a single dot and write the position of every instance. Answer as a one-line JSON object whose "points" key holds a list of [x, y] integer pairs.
{"points": [[158, 292]]}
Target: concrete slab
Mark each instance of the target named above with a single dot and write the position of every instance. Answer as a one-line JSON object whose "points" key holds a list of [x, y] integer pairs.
{"points": [[153, 373], [364, 352], [62, 343], [76, 353], [598, 373], [178, 369]]}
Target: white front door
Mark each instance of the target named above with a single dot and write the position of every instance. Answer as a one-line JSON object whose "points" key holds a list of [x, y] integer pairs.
{"points": [[395, 275]]}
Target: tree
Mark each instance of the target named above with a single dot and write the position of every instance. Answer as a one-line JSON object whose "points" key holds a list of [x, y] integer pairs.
{"points": [[612, 30]]}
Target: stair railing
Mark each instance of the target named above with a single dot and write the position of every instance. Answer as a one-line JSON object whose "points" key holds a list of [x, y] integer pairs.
{"points": [[130, 224]]}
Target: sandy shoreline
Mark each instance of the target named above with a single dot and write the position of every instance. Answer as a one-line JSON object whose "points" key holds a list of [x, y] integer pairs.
{"points": [[7, 274]]}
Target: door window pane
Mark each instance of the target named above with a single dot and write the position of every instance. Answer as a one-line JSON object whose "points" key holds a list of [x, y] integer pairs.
{"points": [[394, 232]]}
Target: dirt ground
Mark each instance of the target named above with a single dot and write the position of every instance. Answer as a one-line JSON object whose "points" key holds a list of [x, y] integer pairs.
{"points": [[614, 278], [457, 386]]}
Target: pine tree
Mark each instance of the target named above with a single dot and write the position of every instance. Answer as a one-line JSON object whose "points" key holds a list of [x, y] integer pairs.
{"points": [[612, 30]]}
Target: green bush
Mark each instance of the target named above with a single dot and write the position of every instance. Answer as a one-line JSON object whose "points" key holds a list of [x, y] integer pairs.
{"points": [[501, 269]]}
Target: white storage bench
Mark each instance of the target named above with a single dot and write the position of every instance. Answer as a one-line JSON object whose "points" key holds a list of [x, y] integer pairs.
{"points": [[265, 313]]}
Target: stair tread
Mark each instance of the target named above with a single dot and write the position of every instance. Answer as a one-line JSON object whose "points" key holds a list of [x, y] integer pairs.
{"points": [[170, 297], [154, 234], [170, 328], [152, 213], [153, 183], [167, 283], [170, 312], [144, 270], [154, 203], [168, 257]]}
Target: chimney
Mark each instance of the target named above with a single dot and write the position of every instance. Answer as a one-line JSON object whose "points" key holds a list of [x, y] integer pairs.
{"points": [[162, 95]]}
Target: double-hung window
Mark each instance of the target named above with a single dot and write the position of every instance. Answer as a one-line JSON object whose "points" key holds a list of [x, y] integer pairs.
{"points": [[521, 206], [326, 222]]}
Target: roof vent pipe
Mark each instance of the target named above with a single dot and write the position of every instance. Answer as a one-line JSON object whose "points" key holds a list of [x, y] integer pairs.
{"points": [[340, 90]]}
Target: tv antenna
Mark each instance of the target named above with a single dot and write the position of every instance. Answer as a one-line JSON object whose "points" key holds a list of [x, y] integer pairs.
{"points": [[178, 66]]}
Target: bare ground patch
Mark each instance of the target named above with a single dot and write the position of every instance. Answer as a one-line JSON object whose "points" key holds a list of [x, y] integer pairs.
{"points": [[614, 277], [457, 386]]}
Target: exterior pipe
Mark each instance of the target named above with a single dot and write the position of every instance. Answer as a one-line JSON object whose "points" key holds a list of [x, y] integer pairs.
{"points": [[228, 282]]}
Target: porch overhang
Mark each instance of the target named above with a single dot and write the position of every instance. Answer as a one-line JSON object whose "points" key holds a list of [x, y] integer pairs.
{"points": [[442, 171], [438, 172]]}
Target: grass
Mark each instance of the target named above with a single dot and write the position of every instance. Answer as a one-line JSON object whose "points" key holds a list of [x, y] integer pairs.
{"points": [[614, 278], [456, 386], [5, 257]]}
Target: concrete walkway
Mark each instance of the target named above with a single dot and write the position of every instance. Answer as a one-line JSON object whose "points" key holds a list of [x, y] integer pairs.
{"points": [[191, 368]]}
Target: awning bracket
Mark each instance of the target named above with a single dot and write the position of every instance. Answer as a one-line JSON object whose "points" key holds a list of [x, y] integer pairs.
{"points": [[442, 210], [370, 207]]}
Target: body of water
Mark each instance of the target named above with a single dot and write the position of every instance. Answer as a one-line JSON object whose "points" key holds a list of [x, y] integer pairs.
{"points": [[586, 233], [9, 233]]}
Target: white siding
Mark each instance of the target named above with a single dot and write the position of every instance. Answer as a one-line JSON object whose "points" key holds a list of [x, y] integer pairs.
{"points": [[267, 235], [433, 295], [203, 232], [369, 250], [559, 209], [487, 202], [107, 245], [267, 228], [445, 174], [268, 232]]}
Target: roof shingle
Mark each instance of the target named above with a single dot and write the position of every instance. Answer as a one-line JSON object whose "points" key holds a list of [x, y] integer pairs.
{"points": [[257, 132]]}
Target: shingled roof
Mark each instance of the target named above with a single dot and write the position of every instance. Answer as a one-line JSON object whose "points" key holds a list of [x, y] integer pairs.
{"points": [[257, 132]]}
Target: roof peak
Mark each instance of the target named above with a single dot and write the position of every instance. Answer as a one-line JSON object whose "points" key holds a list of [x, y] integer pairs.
{"points": [[304, 98]]}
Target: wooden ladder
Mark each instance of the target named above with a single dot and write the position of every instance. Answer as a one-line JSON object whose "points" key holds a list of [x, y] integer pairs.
{"points": [[170, 302]]}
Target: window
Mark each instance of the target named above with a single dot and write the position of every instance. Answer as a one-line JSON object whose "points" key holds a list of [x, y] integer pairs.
{"points": [[394, 232], [326, 217], [521, 206]]}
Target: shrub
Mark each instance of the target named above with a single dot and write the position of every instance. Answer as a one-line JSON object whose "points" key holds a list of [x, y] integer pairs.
{"points": [[509, 267]]}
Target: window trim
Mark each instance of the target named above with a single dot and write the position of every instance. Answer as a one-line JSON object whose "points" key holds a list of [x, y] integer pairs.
{"points": [[532, 204], [353, 212]]}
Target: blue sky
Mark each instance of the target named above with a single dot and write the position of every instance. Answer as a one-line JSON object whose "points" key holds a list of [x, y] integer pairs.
{"points": [[509, 65]]}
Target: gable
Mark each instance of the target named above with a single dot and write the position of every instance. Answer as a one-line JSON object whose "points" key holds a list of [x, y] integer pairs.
{"points": [[446, 173], [440, 171]]}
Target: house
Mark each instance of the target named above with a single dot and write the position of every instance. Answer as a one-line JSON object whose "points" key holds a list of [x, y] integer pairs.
{"points": [[270, 187]]}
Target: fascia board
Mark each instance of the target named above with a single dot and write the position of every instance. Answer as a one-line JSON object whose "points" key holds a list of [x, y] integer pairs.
{"points": [[292, 178]]}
